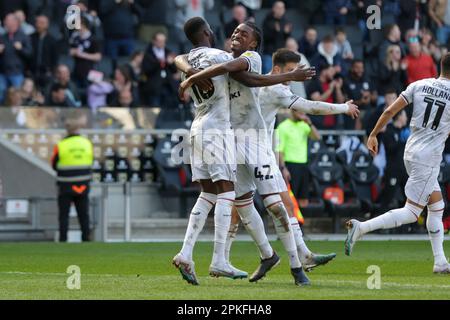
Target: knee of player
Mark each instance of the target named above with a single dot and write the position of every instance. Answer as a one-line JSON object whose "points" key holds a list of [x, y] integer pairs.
{"points": [[436, 208]]}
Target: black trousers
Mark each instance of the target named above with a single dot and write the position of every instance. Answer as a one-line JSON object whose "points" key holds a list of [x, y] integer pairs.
{"points": [[67, 195], [299, 179]]}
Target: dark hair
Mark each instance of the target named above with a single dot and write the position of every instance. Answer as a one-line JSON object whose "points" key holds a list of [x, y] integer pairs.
{"points": [[85, 22], [328, 38], [192, 27], [56, 87], [445, 64], [398, 114], [339, 30], [355, 61], [283, 56], [388, 28], [135, 54], [256, 32], [323, 66], [123, 69]]}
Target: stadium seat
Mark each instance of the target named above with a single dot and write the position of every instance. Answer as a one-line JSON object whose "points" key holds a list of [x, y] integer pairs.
{"points": [[175, 178], [327, 173], [363, 174]]}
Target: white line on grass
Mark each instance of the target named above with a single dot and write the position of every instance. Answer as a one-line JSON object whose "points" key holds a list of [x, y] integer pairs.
{"points": [[352, 282]]}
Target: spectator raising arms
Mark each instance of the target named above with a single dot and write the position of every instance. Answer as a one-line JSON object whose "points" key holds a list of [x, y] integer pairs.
{"points": [[15, 51], [30, 95], [86, 52], [327, 89], [124, 91], [392, 73], [276, 29], [392, 35]]}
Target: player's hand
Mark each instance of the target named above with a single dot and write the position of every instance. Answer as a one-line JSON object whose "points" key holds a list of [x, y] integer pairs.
{"points": [[18, 45], [353, 110], [186, 84], [2, 47], [302, 74], [305, 118], [204, 85], [372, 145], [286, 175]]}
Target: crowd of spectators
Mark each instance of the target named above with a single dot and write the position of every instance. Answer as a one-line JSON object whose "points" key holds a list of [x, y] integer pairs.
{"points": [[46, 62], [133, 36]]}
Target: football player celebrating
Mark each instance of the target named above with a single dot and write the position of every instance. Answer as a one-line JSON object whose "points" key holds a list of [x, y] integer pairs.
{"points": [[209, 130], [256, 168], [430, 127], [272, 98]]}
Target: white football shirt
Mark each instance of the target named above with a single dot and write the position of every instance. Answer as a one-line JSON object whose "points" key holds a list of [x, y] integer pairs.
{"points": [[245, 108], [430, 122], [212, 108]]}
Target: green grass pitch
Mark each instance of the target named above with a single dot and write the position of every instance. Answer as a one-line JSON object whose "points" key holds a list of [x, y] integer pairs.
{"points": [[144, 271]]}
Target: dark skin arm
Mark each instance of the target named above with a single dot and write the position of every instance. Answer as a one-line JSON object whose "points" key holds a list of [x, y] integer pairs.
{"points": [[183, 65], [258, 80], [240, 65]]}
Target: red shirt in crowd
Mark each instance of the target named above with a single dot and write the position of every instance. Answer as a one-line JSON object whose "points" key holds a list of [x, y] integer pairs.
{"points": [[420, 67]]}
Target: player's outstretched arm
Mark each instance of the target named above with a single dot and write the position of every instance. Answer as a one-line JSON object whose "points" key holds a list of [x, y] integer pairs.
{"points": [[325, 108], [388, 114], [258, 80]]}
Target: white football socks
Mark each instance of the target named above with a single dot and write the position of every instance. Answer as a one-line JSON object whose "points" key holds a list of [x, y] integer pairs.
{"points": [[234, 227], [392, 219], [197, 219], [222, 220], [254, 225], [278, 212], [302, 249], [435, 229]]}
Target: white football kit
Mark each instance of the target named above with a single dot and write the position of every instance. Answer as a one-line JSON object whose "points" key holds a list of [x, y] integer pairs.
{"points": [[256, 164], [280, 96], [212, 141], [430, 127]]}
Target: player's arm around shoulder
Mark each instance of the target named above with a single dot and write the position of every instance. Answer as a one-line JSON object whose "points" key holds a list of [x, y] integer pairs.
{"points": [[234, 65]]}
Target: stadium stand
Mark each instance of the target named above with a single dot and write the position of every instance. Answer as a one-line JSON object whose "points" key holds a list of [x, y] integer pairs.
{"points": [[125, 138]]}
